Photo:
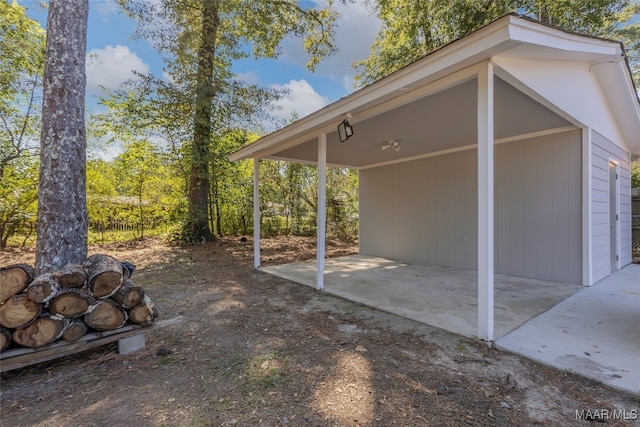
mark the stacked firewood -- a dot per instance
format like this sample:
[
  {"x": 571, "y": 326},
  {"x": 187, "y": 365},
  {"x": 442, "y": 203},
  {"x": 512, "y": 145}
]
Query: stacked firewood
[{"x": 96, "y": 295}]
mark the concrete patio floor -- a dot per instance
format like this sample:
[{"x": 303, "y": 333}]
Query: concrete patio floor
[
  {"x": 593, "y": 331},
  {"x": 438, "y": 296}
]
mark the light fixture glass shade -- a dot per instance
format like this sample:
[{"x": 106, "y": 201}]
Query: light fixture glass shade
[{"x": 345, "y": 131}]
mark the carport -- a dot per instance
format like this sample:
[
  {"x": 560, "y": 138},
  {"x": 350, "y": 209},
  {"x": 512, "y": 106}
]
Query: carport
[{"x": 506, "y": 151}]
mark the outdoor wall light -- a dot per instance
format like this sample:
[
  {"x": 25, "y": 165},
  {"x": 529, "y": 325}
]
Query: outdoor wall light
[
  {"x": 345, "y": 131},
  {"x": 391, "y": 144}
]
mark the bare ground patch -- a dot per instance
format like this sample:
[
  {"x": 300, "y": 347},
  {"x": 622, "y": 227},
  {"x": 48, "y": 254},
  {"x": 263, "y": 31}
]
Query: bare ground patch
[{"x": 256, "y": 350}]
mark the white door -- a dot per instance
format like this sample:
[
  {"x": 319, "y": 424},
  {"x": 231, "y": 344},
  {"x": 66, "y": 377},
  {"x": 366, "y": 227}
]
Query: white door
[{"x": 614, "y": 215}]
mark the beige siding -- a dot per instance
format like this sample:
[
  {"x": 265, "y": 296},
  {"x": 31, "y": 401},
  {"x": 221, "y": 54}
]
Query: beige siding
[
  {"x": 539, "y": 207},
  {"x": 425, "y": 210},
  {"x": 602, "y": 151},
  {"x": 421, "y": 211}
]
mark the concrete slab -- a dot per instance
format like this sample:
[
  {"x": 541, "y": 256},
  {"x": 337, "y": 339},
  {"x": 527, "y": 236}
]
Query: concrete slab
[
  {"x": 595, "y": 332},
  {"x": 131, "y": 344},
  {"x": 438, "y": 296}
]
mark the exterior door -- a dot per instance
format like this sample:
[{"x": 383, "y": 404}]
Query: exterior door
[{"x": 613, "y": 215}]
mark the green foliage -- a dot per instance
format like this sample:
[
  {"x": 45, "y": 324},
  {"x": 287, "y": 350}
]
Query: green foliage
[
  {"x": 289, "y": 199},
  {"x": 199, "y": 41},
  {"x": 413, "y": 29},
  {"x": 21, "y": 66},
  {"x": 18, "y": 200},
  {"x": 635, "y": 174},
  {"x": 342, "y": 203},
  {"x": 134, "y": 196},
  {"x": 626, "y": 28},
  {"x": 21, "y": 49}
]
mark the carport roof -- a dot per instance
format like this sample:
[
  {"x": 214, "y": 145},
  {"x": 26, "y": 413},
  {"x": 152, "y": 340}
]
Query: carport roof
[{"x": 430, "y": 106}]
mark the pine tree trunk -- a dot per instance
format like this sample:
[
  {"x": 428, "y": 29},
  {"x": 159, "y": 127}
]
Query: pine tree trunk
[
  {"x": 200, "y": 153},
  {"x": 62, "y": 209},
  {"x": 14, "y": 279}
]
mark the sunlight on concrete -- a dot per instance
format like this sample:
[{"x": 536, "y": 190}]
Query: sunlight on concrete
[{"x": 346, "y": 397}]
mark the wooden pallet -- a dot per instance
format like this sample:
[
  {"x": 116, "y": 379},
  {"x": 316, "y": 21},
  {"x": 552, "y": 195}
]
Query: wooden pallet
[{"x": 130, "y": 338}]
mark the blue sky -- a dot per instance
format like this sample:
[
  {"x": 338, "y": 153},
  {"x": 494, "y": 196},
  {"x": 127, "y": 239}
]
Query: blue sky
[{"x": 112, "y": 55}]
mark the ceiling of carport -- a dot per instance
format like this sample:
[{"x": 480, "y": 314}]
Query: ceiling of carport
[{"x": 442, "y": 121}]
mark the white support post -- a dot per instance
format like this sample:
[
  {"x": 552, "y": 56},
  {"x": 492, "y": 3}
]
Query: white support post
[
  {"x": 322, "y": 209},
  {"x": 256, "y": 212},
  {"x": 485, "y": 202}
]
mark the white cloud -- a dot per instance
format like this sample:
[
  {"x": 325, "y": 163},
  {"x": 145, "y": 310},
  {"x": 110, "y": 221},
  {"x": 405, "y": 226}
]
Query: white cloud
[
  {"x": 105, "y": 8},
  {"x": 355, "y": 31},
  {"x": 167, "y": 77},
  {"x": 250, "y": 77},
  {"x": 112, "y": 66},
  {"x": 301, "y": 99}
]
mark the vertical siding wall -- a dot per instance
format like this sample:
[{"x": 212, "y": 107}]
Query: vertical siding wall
[
  {"x": 602, "y": 151},
  {"x": 538, "y": 208},
  {"x": 425, "y": 211}
]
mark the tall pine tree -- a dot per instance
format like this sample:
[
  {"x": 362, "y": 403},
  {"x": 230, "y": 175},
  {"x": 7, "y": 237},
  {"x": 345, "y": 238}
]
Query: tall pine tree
[{"x": 62, "y": 208}]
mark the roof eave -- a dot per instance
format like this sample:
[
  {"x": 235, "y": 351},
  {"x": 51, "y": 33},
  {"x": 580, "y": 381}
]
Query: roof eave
[
  {"x": 497, "y": 37},
  {"x": 478, "y": 46}
]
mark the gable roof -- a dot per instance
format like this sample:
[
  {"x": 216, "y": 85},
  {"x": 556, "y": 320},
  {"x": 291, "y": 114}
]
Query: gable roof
[{"x": 514, "y": 43}]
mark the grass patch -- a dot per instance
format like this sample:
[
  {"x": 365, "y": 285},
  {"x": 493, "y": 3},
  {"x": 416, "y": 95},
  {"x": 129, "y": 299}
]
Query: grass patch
[{"x": 268, "y": 371}]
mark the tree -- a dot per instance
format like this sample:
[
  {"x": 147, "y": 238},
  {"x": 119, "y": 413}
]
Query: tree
[
  {"x": 18, "y": 197},
  {"x": 411, "y": 30},
  {"x": 21, "y": 65},
  {"x": 62, "y": 209},
  {"x": 200, "y": 40},
  {"x": 142, "y": 176},
  {"x": 101, "y": 191}
]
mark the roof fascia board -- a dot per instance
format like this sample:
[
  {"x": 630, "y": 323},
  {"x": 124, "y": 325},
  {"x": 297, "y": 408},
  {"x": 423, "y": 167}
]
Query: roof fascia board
[
  {"x": 626, "y": 108},
  {"x": 523, "y": 30},
  {"x": 397, "y": 89}
]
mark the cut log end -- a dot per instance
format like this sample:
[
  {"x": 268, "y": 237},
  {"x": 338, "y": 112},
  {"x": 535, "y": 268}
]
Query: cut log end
[
  {"x": 44, "y": 330},
  {"x": 5, "y": 339},
  {"x": 104, "y": 275},
  {"x": 71, "y": 302},
  {"x": 129, "y": 295},
  {"x": 14, "y": 279},
  {"x": 106, "y": 284},
  {"x": 43, "y": 288},
  {"x": 144, "y": 313},
  {"x": 105, "y": 315},
  {"x": 72, "y": 276},
  {"x": 18, "y": 311},
  {"x": 76, "y": 330}
]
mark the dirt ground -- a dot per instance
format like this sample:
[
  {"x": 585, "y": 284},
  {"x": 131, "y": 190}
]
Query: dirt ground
[{"x": 255, "y": 350}]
